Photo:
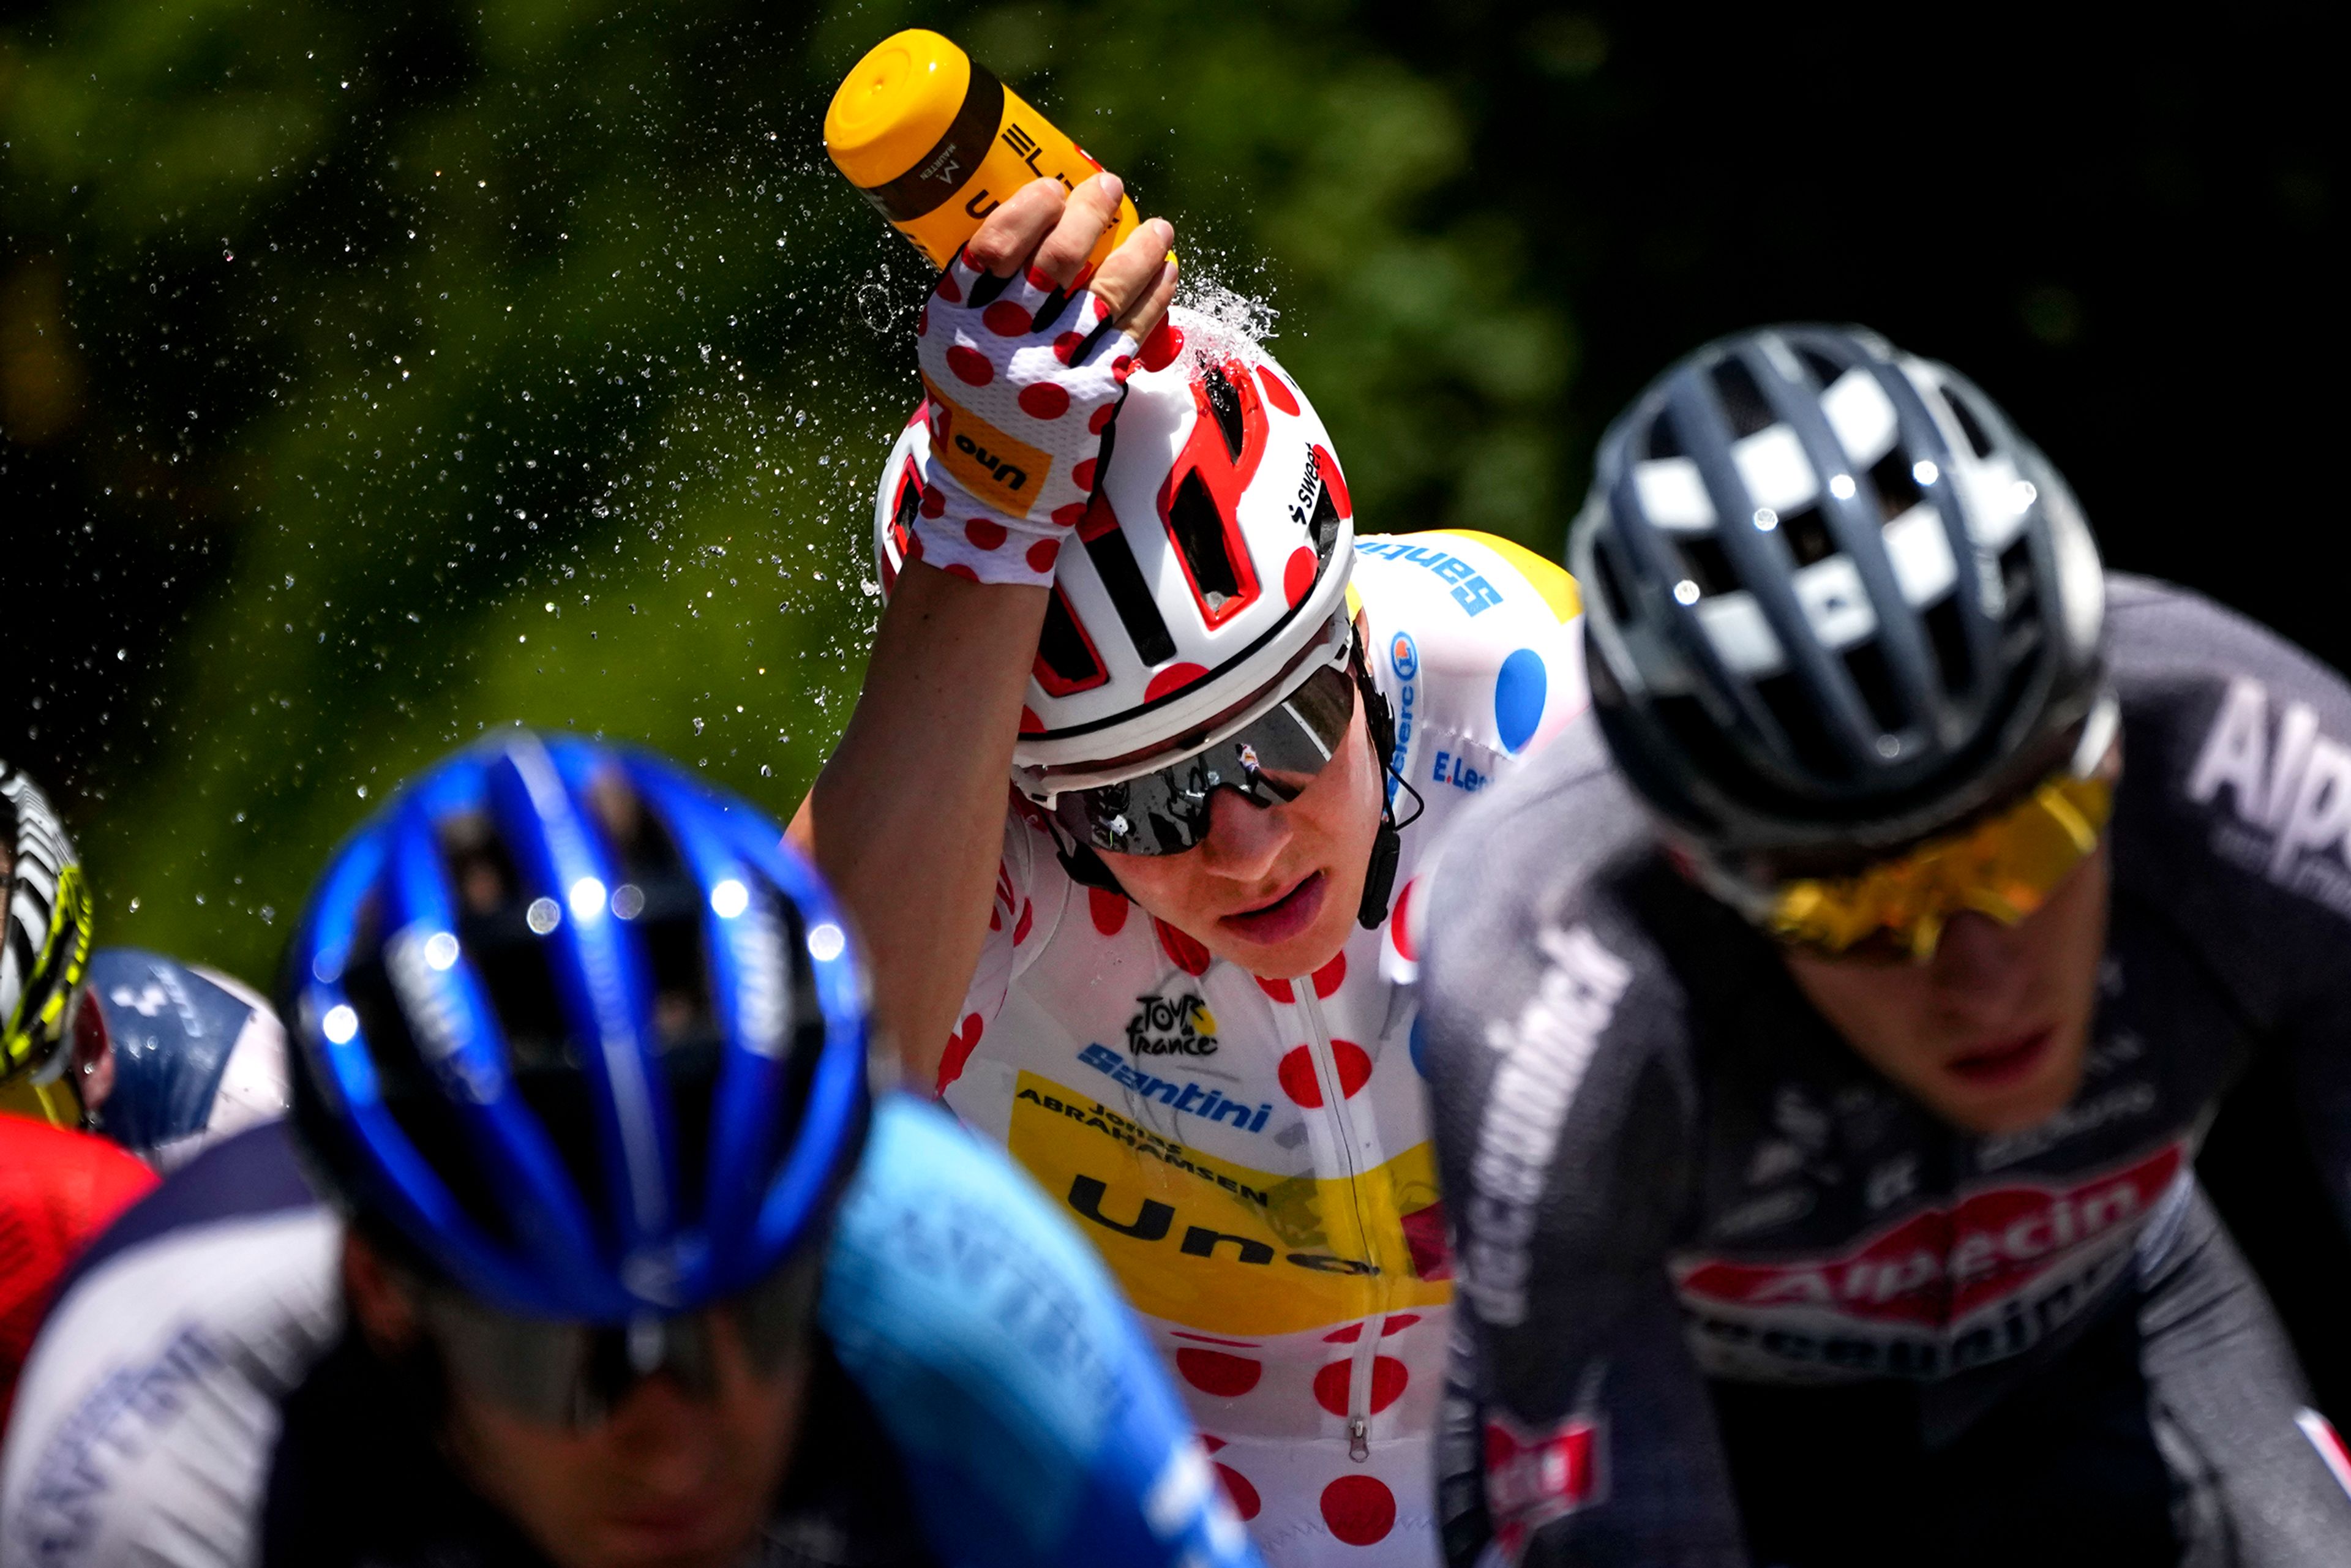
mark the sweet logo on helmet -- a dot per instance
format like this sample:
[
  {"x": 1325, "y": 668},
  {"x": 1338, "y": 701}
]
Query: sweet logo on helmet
[
  {"x": 1944, "y": 1264},
  {"x": 2291, "y": 794},
  {"x": 1405, "y": 656},
  {"x": 993, "y": 465}
]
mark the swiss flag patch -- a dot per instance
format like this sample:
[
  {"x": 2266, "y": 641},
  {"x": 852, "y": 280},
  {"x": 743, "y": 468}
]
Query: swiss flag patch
[{"x": 1534, "y": 1475}]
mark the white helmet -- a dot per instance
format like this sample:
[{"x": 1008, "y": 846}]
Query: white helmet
[{"x": 1218, "y": 545}]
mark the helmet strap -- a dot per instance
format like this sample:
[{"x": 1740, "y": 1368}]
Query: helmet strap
[
  {"x": 1085, "y": 867},
  {"x": 1387, "y": 843}
]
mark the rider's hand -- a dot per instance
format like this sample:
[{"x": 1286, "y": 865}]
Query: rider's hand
[{"x": 1025, "y": 359}]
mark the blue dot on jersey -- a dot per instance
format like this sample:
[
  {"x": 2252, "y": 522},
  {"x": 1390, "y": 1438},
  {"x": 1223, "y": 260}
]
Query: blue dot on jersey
[
  {"x": 1419, "y": 1064},
  {"x": 1519, "y": 693}
]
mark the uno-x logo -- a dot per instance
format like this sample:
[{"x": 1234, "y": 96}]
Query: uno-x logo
[
  {"x": 993, "y": 465},
  {"x": 2290, "y": 795},
  {"x": 1536, "y": 1475},
  {"x": 1171, "y": 1026},
  {"x": 1942, "y": 1266},
  {"x": 1154, "y": 1220}
]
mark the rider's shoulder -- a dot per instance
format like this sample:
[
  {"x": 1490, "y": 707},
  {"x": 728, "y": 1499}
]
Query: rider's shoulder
[
  {"x": 1556, "y": 864},
  {"x": 1459, "y": 584},
  {"x": 982, "y": 1331},
  {"x": 146, "y": 1414},
  {"x": 934, "y": 1220},
  {"x": 2159, "y": 632},
  {"x": 1471, "y": 638}
]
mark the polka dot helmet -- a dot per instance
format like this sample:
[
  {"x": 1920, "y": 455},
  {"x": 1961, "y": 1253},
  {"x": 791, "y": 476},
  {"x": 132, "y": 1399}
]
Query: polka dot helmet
[
  {"x": 45, "y": 940},
  {"x": 1834, "y": 600},
  {"x": 1217, "y": 546}
]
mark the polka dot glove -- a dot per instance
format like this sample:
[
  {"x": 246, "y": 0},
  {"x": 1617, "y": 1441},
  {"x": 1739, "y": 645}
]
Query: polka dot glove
[{"x": 1023, "y": 378}]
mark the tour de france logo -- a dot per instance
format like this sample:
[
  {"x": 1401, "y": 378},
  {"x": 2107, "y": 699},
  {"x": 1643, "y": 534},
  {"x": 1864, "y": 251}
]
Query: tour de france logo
[{"x": 1171, "y": 1026}]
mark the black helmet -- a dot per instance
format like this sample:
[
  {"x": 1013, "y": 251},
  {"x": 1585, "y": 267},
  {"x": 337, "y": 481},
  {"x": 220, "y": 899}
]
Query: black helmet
[{"x": 1834, "y": 600}]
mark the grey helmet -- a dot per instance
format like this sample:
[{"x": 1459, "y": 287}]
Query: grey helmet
[{"x": 1833, "y": 600}]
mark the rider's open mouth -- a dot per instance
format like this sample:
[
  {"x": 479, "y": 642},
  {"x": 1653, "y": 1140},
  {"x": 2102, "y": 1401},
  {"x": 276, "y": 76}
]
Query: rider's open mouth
[
  {"x": 2006, "y": 1062},
  {"x": 1282, "y": 918}
]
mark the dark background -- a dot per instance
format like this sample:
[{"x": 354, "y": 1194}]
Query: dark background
[{"x": 371, "y": 374}]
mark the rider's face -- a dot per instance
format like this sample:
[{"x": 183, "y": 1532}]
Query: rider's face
[
  {"x": 667, "y": 1481},
  {"x": 1275, "y": 889},
  {"x": 1991, "y": 1034}
]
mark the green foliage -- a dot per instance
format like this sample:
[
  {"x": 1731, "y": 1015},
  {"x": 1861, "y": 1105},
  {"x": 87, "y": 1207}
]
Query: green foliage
[{"x": 529, "y": 362}]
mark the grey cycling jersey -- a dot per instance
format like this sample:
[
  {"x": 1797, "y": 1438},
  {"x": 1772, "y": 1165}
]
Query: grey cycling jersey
[{"x": 1640, "y": 1120}]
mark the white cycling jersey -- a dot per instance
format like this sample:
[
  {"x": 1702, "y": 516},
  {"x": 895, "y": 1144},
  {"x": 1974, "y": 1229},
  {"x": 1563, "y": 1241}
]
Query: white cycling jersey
[{"x": 1252, "y": 1155}]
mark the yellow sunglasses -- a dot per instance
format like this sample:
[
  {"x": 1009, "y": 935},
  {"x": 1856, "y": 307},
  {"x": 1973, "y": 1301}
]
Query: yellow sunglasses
[{"x": 2005, "y": 866}]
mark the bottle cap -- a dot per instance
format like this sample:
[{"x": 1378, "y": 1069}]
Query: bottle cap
[{"x": 894, "y": 106}]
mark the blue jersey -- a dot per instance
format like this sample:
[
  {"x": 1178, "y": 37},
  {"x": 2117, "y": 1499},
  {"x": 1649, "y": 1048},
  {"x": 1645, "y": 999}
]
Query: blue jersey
[{"x": 196, "y": 1369}]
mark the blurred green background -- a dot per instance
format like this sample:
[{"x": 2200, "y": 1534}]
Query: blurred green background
[
  {"x": 437, "y": 369},
  {"x": 371, "y": 374}
]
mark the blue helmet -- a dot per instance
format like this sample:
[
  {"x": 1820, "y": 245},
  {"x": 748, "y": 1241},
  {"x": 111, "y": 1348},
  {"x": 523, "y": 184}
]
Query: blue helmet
[
  {"x": 1834, "y": 599},
  {"x": 581, "y": 1032}
]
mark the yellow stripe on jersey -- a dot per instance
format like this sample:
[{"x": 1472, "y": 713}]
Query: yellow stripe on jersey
[
  {"x": 50, "y": 1102},
  {"x": 1225, "y": 1249},
  {"x": 1546, "y": 578}
]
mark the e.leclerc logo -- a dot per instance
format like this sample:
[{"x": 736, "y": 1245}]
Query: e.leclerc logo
[{"x": 1404, "y": 656}]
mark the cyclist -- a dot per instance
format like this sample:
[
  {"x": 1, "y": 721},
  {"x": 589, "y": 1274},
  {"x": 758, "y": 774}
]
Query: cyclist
[
  {"x": 1820, "y": 1051},
  {"x": 58, "y": 1190},
  {"x": 1171, "y": 977},
  {"x": 163, "y": 1058},
  {"x": 624, "y": 1267}
]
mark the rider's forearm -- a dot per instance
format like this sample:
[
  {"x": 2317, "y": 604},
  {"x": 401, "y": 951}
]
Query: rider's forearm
[{"x": 906, "y": 821}]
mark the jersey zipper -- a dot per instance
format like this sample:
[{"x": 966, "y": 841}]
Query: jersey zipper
[{"x": 1342, "y": 1130}]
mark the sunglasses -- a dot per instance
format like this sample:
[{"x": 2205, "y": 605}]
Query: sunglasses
[
  {"x": 1267, "y": 762},
  {"x": 1269, "y": 759},
  {"x": 575, "y": 1374},
  {"x": 2005, "y": 867}
]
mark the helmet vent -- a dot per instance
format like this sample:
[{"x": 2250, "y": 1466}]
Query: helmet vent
[
  {"x": 1621, "y": 608},
  {"x": 1807, "y": 533},
  {"x": 1325, "y": 524},
  {"x": 1950, "y": 639},
  {"x": 902, "y": 514},
  {"x": 1122, "y": 579},
  {"x": 1971, "y": 426},
  {"x": 1825, "y": 370},
  {"x": 1743, "y": 402},
  {"x": 1066, "y": 661},
  {"x": 2016, "y": 579},
  {"x": 1225, "y": 407},
  {"x": 1708, "y": 566},
  {"x": 1808, "y": 737},
  {"x": 1865, "y": 663},
  {"x": 1663, "y": 442},
  {"x": 1200, "y": 535},
  {"x": 1897, "y": 490}
]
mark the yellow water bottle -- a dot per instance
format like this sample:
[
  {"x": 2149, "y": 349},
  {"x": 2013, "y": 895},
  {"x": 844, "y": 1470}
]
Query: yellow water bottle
[{"x": 936, "y": 141}]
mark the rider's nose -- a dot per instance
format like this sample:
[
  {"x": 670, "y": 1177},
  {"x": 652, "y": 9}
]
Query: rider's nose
[
  {"x": 1244, "y": 839},
  {"x": 1979, "y": 967}
]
